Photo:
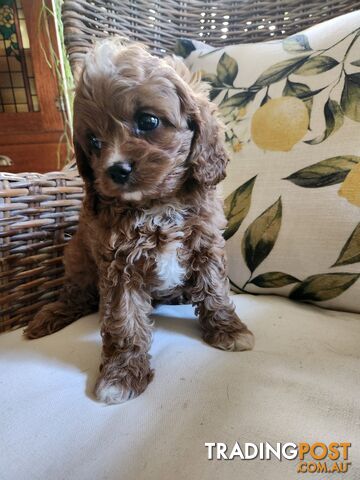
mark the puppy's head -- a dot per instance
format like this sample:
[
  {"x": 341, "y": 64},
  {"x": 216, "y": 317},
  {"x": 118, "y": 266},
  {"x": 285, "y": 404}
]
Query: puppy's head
[{"x": 141, "y": 131}]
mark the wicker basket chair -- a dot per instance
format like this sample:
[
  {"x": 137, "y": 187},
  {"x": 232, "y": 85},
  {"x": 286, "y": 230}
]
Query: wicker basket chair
[{"x": 39, "y": 212}]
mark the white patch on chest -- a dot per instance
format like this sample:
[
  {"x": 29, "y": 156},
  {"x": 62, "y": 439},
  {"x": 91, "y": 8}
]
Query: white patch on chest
[
  {"x": 169, "y": 220},
  {"x": 168, "y": 269}
]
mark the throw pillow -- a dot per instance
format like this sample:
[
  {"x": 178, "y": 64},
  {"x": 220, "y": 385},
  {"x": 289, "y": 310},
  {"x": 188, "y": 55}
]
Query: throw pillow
[{"x": 291, "y": 109}]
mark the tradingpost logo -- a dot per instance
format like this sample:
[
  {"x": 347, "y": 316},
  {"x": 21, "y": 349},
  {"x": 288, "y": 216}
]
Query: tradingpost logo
[{"x": 318, "y": 457}]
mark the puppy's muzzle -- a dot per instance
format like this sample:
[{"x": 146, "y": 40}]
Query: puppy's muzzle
[{"x": 120, "y": 172}]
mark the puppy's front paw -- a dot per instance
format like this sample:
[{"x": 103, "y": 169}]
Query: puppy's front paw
[
  {"x": 237, "y": 341},
  {"x": 232, "y": 336},
  {"x": 112, "y": 393},
  {"x": 119, "y": 383},
  {"x": 244, "y": 341}
]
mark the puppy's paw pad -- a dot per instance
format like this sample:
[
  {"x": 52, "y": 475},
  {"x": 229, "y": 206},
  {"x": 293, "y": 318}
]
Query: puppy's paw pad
[
  {"x": 112, "y": 394},
  {"x": 244, "y": 341}
]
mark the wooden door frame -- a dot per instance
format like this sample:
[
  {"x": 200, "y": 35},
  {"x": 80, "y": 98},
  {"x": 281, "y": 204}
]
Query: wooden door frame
[
  {"x": 34, "y": 140},
  {"x": 49, "y": 118}
]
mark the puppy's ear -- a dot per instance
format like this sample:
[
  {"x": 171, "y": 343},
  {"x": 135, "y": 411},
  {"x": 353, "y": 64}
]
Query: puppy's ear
[
  {"x": 83, "y": 164},
  {"x": 86, "y": 172},
  {"x": 77, "y": 63},
  {"x": 208, "y": 156}
]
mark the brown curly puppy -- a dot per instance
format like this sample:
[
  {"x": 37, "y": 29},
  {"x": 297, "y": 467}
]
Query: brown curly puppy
[{"x": 149, "y": 148}]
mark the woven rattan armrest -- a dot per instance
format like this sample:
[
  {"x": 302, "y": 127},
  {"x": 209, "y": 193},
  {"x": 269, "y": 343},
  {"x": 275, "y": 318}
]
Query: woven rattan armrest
[{"x": 38, "y": 215}]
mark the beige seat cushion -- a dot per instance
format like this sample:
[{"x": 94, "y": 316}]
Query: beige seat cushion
[{"x": 301, "y": 383}]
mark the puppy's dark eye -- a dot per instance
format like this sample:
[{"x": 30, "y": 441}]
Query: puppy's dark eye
[
  {"x": 95, "y": 143},
  {"x": 147, "y": 122}
]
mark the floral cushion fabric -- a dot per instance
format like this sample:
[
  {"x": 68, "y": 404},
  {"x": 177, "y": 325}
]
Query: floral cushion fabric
[{"x": 291, "y": 109}]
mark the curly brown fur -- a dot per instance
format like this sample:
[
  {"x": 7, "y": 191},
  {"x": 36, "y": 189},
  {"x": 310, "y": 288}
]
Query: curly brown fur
[{"x": 156, "y": 235}]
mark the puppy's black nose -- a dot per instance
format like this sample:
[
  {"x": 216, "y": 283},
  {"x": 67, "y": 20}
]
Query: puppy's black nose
[{"x": 119, "y": 172}]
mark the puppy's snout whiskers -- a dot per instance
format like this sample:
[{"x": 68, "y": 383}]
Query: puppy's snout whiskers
[{"x": 120, "y": 172}]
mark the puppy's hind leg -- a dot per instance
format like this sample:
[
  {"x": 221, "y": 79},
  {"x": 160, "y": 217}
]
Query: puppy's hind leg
[{"x": 78, "y": 297}]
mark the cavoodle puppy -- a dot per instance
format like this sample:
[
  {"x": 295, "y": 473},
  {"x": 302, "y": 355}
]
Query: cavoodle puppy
[{"x": 149, "y": 147}]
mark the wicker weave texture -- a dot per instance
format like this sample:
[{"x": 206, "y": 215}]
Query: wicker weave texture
[
  {"x": 38, "y": 214},
  {"x": 219, "y": 22}
]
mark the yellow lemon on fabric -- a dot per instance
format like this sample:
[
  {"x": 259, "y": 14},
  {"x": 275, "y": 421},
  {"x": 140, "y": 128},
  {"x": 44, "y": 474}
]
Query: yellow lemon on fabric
[
  {"x": 279, "y": 124},
  {"x": 350, "y": 189}
]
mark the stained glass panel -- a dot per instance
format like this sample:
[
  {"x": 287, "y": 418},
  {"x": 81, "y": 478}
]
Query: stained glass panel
[{"x": 17, "y": 82}]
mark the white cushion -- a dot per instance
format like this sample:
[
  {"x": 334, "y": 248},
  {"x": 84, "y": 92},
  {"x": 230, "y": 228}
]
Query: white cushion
[{"x": 301, "y": 383}]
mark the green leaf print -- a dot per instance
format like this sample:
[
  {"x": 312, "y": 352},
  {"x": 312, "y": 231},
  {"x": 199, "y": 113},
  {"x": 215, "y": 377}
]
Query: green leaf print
[
  {"x": 350, "y": 98},
  {"x": 316, "y": 65},
  {"x": 327, "y": 286},
  {"x": 280, "y": 70},
  {"x": 239, "y": 100},
  {"x": 274, "y": 280},
  {"x": 227, "y": 69},
  {"x": 334, "y": 119},
  {"x": 351, "y": 250},
  {"x": 261, "y": 235},
  {"x": 327, "y": 172},
  {"x": 236, "y": 207},
  {"x": 184, "y": 47}
]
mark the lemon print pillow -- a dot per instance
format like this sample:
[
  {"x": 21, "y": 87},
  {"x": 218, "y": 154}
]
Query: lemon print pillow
[{"x": 291, "y": 110}]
